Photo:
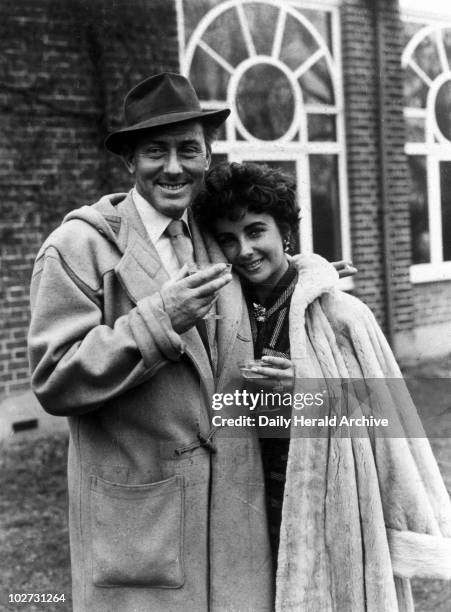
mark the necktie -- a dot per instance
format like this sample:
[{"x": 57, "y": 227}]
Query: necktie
[
  {"x": 181, "y": 243},
  {"x": 183, "y": 249}
]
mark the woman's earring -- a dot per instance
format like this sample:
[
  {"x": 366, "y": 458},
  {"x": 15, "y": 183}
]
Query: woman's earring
[{"x": 286, "y": 245}]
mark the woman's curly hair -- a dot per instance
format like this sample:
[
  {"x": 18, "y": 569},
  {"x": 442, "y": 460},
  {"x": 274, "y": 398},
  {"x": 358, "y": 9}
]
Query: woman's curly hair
[{"x": 233, "y": 189}]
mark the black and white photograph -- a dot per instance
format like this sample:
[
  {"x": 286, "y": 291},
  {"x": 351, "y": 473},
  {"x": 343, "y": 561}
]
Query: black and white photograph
[{"x": 225, "y": 306}]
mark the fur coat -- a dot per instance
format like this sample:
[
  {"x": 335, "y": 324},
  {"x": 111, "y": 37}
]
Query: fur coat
[{"x": 361, "y": 514}]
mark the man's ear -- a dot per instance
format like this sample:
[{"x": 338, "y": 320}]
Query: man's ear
[
  {"x": 128, "y": 157},
  {"x": 207, "y": 159}
]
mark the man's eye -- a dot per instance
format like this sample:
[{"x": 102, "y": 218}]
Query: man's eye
[
  {"x": 190, "y": 151},
  {"x": 154, "y": 151}
]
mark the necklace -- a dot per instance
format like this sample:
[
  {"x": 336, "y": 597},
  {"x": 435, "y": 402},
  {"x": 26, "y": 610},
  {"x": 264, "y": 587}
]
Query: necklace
[{"x": 259, "y": 312}]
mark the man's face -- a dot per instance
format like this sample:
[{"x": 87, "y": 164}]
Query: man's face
[{"x": 169, "y": 165}]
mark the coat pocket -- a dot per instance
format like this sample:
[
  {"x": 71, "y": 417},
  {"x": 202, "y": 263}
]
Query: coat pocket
[{"x": 137, "y": 533}]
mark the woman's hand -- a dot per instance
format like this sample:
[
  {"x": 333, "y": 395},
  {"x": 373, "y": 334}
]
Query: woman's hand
[
  {"x": 278, "y": 376},
  {"x": 344, "y": 268}
]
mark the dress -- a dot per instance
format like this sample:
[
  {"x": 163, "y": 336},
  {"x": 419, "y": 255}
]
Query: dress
[{"x": 270, "y": 335}]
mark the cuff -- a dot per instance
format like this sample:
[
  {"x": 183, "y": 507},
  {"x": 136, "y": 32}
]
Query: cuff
[{"x": 151, "y": 317}]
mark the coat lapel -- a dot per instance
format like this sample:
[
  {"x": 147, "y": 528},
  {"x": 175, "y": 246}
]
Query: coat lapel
[
  {"x": 140, "y": 270},
  {"x": 141, "y": 273},
  {"x": 201, "y": 256}
]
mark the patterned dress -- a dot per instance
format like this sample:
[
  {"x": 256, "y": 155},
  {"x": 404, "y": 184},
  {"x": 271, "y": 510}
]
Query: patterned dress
[{"x": 269, "y": 324}]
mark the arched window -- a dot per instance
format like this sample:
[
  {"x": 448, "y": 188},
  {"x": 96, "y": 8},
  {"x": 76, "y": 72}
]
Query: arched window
[
  {"x": 276, "y": 64},
  {"x": 427, "y": 88}
]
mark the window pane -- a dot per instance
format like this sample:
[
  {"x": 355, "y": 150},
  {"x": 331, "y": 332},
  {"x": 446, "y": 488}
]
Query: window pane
[
  {"x": 262, "y": 19},
  {"x": 209, "y": 79},
  {"x": 316, "y": 84},
  {"x": 443, "y": 109},
  {"x": 426, "y": 56},
  {"x": 265, "y": 102},
  {"x": 298, "y": 44},
  {"x": 415, "y": 89},
  {"x": 419, "y": 223},
  {"x": 225, "y": 36},
  {"x": 321, "y": 20},
  {"x": 325, "y": 206},
  {"x": 321, "y": 128},
  {"x": 445, "y": 189},
  {"x": 193, "y": 11},
  {"x": 446, "y": 34},
  {"x": 415, "y": 129}
]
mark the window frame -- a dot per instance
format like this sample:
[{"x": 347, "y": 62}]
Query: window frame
[{"x": 431, "y": 21}]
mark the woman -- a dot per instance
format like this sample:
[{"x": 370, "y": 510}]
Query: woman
[{"x": 356, "y": 516}]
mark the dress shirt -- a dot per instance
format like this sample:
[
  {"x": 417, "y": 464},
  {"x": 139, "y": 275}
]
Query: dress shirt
[{"x": 156, "y": 224}]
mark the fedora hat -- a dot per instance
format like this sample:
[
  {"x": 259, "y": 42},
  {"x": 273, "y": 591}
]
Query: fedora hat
[{"x": 162, "y": 99}]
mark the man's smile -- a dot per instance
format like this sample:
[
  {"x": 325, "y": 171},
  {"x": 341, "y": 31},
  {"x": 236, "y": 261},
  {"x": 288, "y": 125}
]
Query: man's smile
[{"x": 172, "y": 186}]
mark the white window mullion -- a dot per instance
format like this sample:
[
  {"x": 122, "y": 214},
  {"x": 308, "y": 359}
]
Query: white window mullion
[
  {"x": 435, "y": 218},
  {"x": 305, "y": 203}
]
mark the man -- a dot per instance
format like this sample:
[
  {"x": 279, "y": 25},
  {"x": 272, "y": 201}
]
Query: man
[{"x": 163, "y": 513}]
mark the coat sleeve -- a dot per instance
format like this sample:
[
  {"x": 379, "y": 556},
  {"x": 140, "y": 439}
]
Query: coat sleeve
[{"x": 77, "y": 362}]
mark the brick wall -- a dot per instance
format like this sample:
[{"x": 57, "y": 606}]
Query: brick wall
[
  {"x": 432, "y": 303},
  {"x": 398, "y": 177},
  {"x": 65, "y": 66},
  {"x": 361, "y": 111},
  {"x": 363, "y": 114}
]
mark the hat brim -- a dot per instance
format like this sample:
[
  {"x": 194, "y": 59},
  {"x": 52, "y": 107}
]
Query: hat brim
[{"x": 116, "y": 140}]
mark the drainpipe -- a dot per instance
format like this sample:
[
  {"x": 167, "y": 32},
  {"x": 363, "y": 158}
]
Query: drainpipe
[{"x": 383, "y": 176}]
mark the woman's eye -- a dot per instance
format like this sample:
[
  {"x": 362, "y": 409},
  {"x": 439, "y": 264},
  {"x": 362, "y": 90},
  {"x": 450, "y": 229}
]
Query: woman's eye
[
  {"x": 255, "y": 233},
  {"x": 225, "y": 241}
]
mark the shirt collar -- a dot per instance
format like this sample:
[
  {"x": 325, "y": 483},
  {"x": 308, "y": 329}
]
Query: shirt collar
[{"x": 154, "y": 221}]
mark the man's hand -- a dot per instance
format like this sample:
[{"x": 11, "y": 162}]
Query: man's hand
[
  {"x": 344, "y": 268},
  {"x": 187, "y": 299}
]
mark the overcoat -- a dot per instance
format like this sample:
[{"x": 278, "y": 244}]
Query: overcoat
[{"x": 164, "y": 514}]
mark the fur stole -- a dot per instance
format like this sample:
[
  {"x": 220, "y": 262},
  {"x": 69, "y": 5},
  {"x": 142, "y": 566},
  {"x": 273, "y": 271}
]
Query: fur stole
[{"x": 361, "y": 515}]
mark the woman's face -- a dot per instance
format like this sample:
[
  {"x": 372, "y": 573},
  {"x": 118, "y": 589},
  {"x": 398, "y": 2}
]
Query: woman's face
[{"x": 254, "y": 246}]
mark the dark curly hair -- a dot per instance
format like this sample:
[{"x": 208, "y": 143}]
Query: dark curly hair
[{"x": 233, "y": 189}]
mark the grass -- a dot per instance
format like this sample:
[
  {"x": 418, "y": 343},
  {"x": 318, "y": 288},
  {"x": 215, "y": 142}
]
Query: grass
[
  {"x": 33, "y": 505},
  {"x": 33, "y": 515}
]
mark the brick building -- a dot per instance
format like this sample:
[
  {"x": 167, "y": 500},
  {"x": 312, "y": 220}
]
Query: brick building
[{"x": 349, "y": 95}]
